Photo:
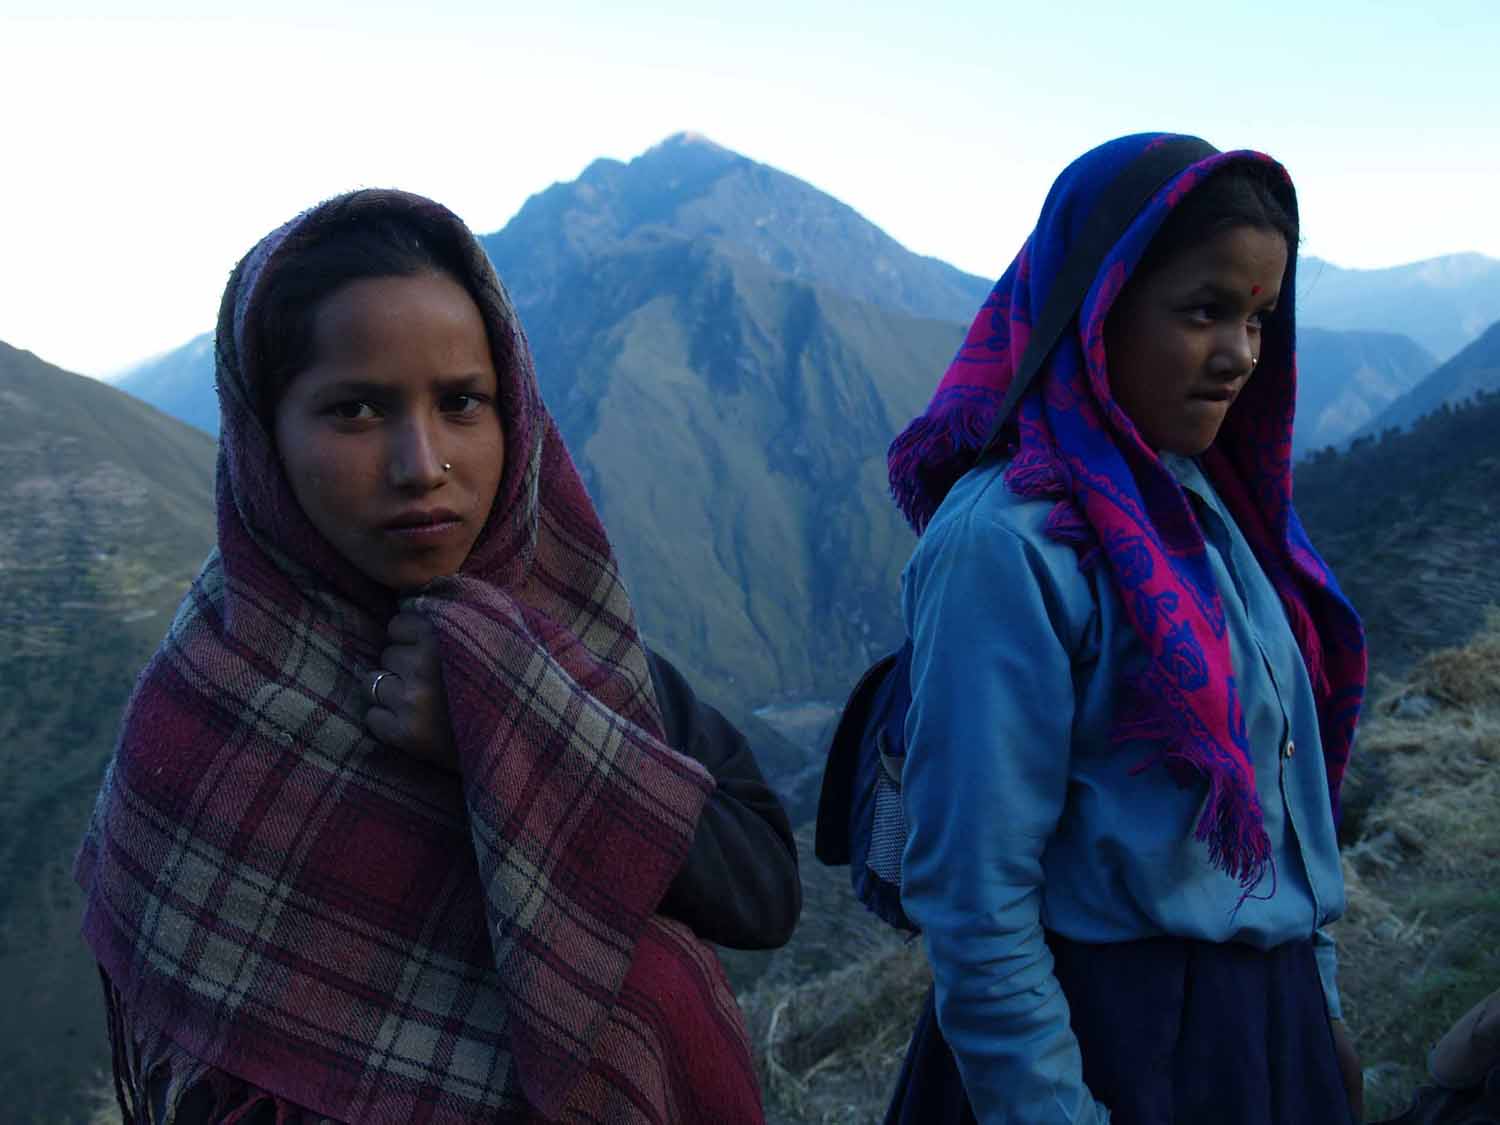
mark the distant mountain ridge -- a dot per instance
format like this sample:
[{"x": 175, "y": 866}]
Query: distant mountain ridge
[
  {"x": 1441, "y": 303},
  {"x": 688, "y": 187},
  {"x": 1472, "y": 371},
  {"x": 1345, "y": 379},
  {"x": 179, "y": 383}
]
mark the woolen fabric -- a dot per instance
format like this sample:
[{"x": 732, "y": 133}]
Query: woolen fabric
[
  {"x": 348, "y": 930},
  {"x": 1119, "y": 507}
]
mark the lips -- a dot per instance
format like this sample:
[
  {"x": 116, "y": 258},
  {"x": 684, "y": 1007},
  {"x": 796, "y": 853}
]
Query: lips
[
  {"x": 424, "y": 524},
  {"x": 1216, "y": 394},
  {"x": 421, "y": 517}
]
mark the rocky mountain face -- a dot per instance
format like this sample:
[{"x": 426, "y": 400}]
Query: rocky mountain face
[
  {"x": 728, "y": 352},
  {"x": 1473, "y": 371},
  {"x": 687, "y": 187},
  {"x": 1441, "y": 303},
  {"x": 107, "y": 514}
]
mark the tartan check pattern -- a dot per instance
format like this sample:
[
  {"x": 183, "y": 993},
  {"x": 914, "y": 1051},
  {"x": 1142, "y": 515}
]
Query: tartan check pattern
[{"x": 275, "y": 897}]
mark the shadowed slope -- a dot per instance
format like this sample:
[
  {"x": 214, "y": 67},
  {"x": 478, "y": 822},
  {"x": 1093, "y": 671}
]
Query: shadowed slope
[
  {"x": 107, "y": 515},
  {"x": 1410, "y": 524},
  {"x": 1474, "y": 370}
]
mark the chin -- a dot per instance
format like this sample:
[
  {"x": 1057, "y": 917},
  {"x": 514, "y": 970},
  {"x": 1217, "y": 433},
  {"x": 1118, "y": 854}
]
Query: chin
[{"x": 1188, "y": 443}]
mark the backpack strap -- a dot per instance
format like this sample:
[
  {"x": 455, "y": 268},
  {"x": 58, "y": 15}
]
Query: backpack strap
[{"x": 1130, "y": 190}]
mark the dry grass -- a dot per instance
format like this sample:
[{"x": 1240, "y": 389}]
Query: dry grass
[
  {"x": 828, "y": 1050},
  {"x": 1418, "y": 944}
]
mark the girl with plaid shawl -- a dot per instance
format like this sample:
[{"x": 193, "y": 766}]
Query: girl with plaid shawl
[
  {"x": 394, "y": 810},
  {"x": 1134, "y": 681}
]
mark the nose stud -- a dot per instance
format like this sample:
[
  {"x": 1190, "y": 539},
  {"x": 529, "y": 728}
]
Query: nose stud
[
  {"x": 447, "y": 467},
  {"x": 1253, "y": 361}
]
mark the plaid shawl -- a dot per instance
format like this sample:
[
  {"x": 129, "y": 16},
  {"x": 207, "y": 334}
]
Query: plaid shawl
[
  {"x": 1119, "y": 506},
  {"x": 347, "y": 929}
]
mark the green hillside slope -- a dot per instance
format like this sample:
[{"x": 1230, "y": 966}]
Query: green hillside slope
[
  {"x": 107, "y": 514},
  {"x": 732, "y": 424},
  {"x": 1410, "y": 523}
]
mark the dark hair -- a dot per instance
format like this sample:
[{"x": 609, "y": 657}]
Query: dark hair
[
  {"x": 340, "y": 249},
  {"x": 1244, "y": 193}
]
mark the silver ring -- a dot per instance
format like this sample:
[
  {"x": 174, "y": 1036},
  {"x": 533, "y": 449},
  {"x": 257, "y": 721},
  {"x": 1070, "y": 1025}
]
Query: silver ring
[{"x": 375, "y": 687}]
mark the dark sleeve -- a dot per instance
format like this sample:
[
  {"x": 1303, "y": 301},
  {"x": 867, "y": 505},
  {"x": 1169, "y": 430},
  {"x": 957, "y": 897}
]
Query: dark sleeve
[{"x": 740, "y": 886}]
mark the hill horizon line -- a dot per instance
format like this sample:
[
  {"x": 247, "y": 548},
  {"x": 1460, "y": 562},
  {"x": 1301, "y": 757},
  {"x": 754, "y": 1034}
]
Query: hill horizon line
[{"x": 690, "y": 138}]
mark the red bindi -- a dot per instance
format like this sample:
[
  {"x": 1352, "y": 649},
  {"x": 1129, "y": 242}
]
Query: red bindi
[{"x": 1255, "y": 290}]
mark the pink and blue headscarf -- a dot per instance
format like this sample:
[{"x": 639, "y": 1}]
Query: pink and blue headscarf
[{"x": 1120, "y": 507}]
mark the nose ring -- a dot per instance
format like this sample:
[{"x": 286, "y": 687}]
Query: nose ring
[{"x": 447, "y": 467}]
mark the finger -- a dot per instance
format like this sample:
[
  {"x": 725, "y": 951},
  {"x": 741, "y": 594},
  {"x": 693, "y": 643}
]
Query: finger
[
  {"x": 409, "y": 628},
  {"x": 404, "y": 660},
  {"x": 390, "y": 690},
  {"x": 387, "y": 730}
]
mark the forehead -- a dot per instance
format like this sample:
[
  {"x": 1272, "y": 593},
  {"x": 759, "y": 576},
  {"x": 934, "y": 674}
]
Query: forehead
[
  {"x": 381, "y": 311},
  {"x": 1239, "y": 255}
]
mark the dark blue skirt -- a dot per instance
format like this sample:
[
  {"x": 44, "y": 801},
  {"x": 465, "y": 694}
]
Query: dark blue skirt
[{"x": 1172, "y": 1032}]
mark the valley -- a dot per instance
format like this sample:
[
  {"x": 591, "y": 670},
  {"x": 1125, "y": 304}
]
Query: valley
[{"x": 728, "y": 352}]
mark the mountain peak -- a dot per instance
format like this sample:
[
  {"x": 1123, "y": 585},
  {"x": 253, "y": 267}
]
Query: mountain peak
[
  {"x": 688, "y": 137},
  {"x": 689, "y": 187}
]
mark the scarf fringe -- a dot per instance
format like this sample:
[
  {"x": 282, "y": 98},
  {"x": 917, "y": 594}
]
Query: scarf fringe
[
  {"x": 1230, "y": 825},
  {"x": 936, "y": 449},
  {"x": 1037, "y": 474},
  {"x": 135, "y": 1069}
]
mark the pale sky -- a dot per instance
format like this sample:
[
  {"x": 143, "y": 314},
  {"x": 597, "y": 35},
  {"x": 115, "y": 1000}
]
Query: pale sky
[{"x": 143, "y": 154}]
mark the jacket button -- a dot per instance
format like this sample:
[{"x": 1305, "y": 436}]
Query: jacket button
[{"x": 1291, "y": 748}]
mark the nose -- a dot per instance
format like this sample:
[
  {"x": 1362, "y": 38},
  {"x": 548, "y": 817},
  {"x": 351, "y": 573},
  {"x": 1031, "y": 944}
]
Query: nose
[
  {"x": 1238, "y": 349},
  {"x": 416, "y": 462}
]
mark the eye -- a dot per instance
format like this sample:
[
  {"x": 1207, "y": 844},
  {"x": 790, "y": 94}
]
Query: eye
[
  {"x": 463, "y": 404},
  {"x": 1205, "y": 313},
  {"x": 354, "y": 410}
]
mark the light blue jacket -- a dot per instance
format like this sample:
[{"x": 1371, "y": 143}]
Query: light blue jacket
[{"x": 1024, "y": 816}]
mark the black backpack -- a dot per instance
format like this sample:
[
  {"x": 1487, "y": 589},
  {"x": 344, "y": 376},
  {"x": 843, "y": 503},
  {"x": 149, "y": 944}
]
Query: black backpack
[{"x": 861, "y": 822}]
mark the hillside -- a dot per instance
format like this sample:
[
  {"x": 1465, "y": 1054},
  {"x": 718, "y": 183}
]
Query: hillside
[
  {"x": 1344, "y": 379},
  {"x": 179, "y": 383},
  {"x": 831, "y": 1013},
  {"x": 1474, "y": 370},
  {"x": 1410, "y": 523},
  {"x": 731, "y": 424},
  {"x": 1441, "y": 303},
  {"x": 107, "y": 515}
]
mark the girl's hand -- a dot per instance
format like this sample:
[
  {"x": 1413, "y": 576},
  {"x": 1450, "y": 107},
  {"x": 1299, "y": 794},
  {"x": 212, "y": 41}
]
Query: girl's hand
[
  {"x": 410, "y": 711},
  {"x": 1349, "y": 1067}
]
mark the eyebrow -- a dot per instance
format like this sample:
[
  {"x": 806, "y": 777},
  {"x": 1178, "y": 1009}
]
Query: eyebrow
[
  {"x": 1230, "y": 294},
  {"x": 366, "y": 388}
]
